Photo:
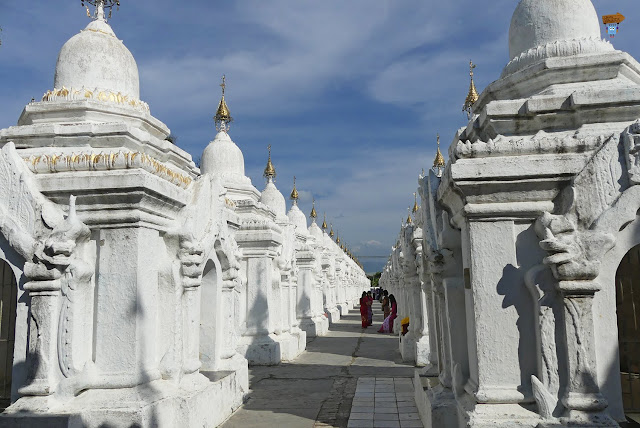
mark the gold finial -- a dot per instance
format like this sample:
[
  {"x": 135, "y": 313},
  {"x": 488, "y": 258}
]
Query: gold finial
[
  {"x": 269, "y": 171},
  {"x": 337, "y": 239},
  {"x": 313, "y": 214},
  {"x": 100, "y": 6},
  {"x": 331, "y": 232},
  {"x": 324, "y": 222},
  {"x": 223, "y": 116},
  {"x": 415, "y": 204},
  {"x": 472, "y": 96},
  {"x": 439, "y": 160},
  {"x": 294, "y": 192},
  {"x": 409, "y": 219}
]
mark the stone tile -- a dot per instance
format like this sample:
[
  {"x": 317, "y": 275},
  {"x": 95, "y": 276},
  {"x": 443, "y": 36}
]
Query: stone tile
[
  {"x": 362, "y": 409},
  {"x": 407, "y": 410},
  {"x": 360, "y": 416},
  {"x": 386, "y": 424},
  {"x": 385, "y": 394},
  {"x": 364, "y": 395},
  {"x": 411, "y": 424},
  {"x": 407, "y": 403},
  {"x": 359, "y": 423},
  {"x": 385, "y": 410},
  {"x": 409, "y": 416},
  {"x": 385, "y": 417},
  {"x": 386, "y": 405}
]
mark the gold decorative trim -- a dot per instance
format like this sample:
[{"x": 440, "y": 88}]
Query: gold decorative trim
[
  {"x": 71, "y": 94},
  {"x": 53, "y": 163}
]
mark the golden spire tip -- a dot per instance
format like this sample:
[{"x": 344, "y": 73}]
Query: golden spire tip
[
  {"x": 472, "y": 96},
  {"x": 223, "y": 116},
  {"x": 269, "y": 171},
  {"x": 314, "y": 214},
  {"x": 439, "y": 161},
  {"x": 294, "y": 192}
]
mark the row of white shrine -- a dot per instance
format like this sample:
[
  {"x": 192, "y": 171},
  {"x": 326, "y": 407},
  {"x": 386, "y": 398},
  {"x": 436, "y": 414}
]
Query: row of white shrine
[
  {"x": 509, "y": 272},
  {"x": 146, "y": 286}
]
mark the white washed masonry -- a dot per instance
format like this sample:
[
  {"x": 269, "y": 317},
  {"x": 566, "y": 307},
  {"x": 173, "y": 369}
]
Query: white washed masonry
[
  {"x": 144, "y": 286},
  {"x": 513, "y": 270}
]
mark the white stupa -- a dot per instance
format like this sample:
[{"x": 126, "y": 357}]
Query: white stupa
[
  {"x": 549, "y": 28},
  {"x": 297, "y": 217},
  {"x": 271, "y": 196},
  {"x": 224, "y": 159},
  {"x": 95, "y": 58},
  {"x": 314, "y": 229},
  {"x": 95, "y": 65}
]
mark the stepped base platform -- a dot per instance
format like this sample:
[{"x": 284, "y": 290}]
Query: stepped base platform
[{"x": 200, "y": 399}]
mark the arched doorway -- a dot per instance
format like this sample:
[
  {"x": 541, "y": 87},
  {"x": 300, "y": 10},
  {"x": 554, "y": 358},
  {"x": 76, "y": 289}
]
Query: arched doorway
[
  {"x": 8, "y": 301},
  {"x": 628, "y": 312}
]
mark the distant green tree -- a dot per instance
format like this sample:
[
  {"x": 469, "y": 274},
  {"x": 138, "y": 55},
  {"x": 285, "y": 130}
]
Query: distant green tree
[{"x": 375, "y": 279}]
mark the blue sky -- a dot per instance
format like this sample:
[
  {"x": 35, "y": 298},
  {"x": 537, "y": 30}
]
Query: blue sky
[{"x": 350, "y": 94}]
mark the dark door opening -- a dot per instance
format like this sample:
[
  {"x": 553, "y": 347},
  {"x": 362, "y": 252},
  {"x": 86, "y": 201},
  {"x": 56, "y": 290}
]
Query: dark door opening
[
  {"x": 8, "y": 301},
  {"x": 628, "y": 312}
]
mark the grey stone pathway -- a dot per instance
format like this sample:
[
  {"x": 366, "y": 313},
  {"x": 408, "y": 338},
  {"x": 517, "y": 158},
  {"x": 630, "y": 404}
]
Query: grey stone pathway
[
  {"x": 320, "y": 386},
  {"x": 384, "y": 402}
]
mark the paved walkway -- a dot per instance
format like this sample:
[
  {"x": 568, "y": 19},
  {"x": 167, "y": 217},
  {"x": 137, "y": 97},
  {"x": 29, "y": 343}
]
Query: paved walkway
[
  {"x": 395, "y": 405},
  {"x": 318, "y": 388}
]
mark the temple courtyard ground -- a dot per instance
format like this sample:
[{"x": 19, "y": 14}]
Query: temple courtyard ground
[{"x": 349, "y": 378}]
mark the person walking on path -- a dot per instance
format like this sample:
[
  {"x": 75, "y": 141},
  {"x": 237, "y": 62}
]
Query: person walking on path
[
  {"x": 364, "y": 313},
  {"x": 386, "y": 309},
  {"x": 370, "y": 308},
  {"x": 387, "y": 325}
]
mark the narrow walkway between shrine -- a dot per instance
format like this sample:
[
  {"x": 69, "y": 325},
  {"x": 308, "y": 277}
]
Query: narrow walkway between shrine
[{"x": 318, "y": 388}]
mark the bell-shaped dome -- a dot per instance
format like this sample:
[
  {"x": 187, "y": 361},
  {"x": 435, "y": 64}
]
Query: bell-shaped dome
[
  {"x": 540, "y": 22},
  {"x": 316, "y": 232},
  {"x": 298, "y": 219},
  {"x": 96, "y": 59},
  {"x": 272, "y": 198},
  {"x": 222, "y": 156}
]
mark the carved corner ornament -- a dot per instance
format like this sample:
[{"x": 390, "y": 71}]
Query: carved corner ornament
[
  {"x": 191, "y": 259},
  {"x": 574, "y": 255}
]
